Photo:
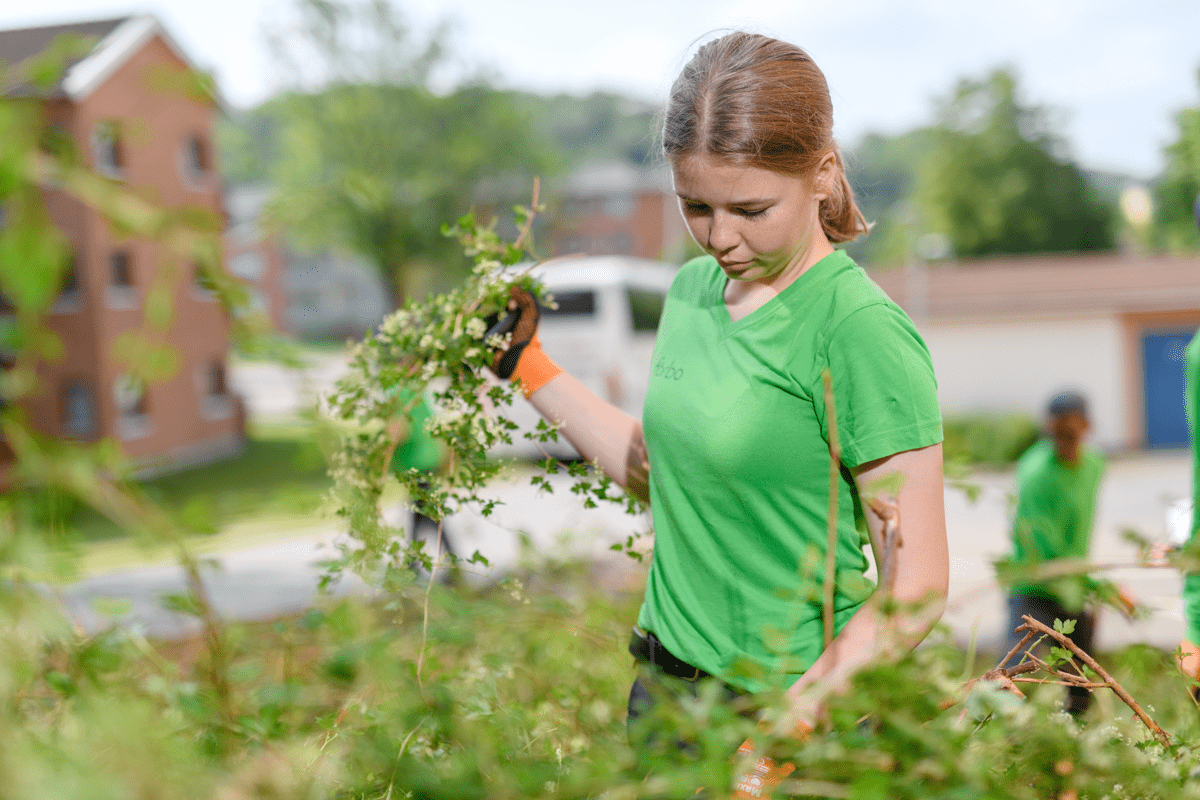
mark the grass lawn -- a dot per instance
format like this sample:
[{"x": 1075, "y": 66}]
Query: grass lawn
[{"x": 276, "y": 486}]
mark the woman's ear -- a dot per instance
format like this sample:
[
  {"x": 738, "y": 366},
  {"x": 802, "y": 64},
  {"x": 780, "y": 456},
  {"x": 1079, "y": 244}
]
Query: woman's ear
[{"x": 825, "y": 176}]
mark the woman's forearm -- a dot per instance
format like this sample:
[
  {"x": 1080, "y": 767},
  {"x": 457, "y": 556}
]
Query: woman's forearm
[
  {"x": 921, "y": 576},
  {"x": 868, "y": 636},
  {"x": 601, "y": 432}
]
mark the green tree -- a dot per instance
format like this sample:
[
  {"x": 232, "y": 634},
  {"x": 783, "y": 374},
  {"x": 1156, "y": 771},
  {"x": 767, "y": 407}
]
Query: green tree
[
  {"x": 374, "y": 159},
  {"x": 999, "y": 179},
  {"x": 883, "y": 170},
  {"x": 1175, "y": 224}
]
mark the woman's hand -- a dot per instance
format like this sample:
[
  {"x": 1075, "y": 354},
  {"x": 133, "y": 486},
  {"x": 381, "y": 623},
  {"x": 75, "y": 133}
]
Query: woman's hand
[
  {"x": 921, "y": 570},
  {"x": 601, "y": 432},
  {"x": 522, "y": 320}
]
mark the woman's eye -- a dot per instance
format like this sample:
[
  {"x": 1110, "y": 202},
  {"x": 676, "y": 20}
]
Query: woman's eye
[
  {"x": 751, "y": 212},
  {"x": 695, "y": 208}
]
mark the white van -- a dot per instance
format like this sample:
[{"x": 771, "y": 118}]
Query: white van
[{"x": 602, "y": 333}]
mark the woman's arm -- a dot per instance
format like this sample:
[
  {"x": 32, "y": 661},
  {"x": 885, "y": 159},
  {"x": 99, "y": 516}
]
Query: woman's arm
[
  {"x": 922, "y": 575},
  {"x": 600, "y": 431}
]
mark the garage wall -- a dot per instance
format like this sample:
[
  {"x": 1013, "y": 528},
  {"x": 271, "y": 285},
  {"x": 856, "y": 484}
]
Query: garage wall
[{"x": 1017, "y": 365}]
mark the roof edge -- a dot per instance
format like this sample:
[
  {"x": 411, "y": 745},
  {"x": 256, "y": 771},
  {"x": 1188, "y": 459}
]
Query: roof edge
[{"x": 88, "y": 74}]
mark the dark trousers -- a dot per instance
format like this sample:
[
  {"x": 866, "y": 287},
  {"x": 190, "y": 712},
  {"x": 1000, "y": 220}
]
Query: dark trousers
[
  {"x": 1045, "y": 610},
  {"x": 427, "y": 529},
  {"x": 655, "y": 691}
]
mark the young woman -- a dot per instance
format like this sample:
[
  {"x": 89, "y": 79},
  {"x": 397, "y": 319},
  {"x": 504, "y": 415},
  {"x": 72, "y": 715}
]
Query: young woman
[{"x": 732, "y": 451}]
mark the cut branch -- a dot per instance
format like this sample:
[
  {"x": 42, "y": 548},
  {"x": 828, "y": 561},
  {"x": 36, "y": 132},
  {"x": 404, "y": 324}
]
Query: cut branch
[{"x": 1032, "y": 625}]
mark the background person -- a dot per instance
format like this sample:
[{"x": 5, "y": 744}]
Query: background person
[
  {"x": 732, "y": 451},
  {"x": 1058, "y": 479},
  {"x": 417, "y": 450}
]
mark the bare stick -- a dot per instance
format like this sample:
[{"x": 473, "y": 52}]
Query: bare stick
[
  {"x": 1032, "y": 624},
  {"x": 1016, "y": 649},
  {"x": 425, "y": 608},
  {"x": 890, "y": 514},
  {"x": 835, "y": 460},
  {"x": 520, "y": 242}
]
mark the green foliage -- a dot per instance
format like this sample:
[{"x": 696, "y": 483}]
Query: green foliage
[
  {"x": 1175, "y": 224},
  {"x": 991, "y": 439},
  {"x": 281, "y": 471},
  {"x": 999, "y": 180},
  {"x": 437, "y": 349},
  {"x": 883, "y": 171},
  {"x": 598, "y": 127},
  {"x": 369, "y": 157}
]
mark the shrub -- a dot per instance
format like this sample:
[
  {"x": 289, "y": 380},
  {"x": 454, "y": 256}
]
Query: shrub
[{"x": 989, "y": 439}]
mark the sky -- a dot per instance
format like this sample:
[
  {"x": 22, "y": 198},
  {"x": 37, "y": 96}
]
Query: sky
[{"x": 1116, "y": 71}]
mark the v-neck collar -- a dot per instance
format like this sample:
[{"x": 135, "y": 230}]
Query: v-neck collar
[{"x": 768, "y": 309}]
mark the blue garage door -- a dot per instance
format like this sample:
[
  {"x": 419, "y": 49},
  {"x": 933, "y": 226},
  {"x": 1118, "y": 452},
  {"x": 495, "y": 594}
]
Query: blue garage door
[{"x": 1166, "y": 421}]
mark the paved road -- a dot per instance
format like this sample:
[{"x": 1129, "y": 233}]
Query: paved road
[
  {"x": 268, "y": 580},
  {"x": 1135, "y": 495}
]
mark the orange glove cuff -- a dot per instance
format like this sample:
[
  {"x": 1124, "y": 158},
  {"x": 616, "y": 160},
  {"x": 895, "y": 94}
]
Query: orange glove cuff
[{"x": 534, "y": 369}]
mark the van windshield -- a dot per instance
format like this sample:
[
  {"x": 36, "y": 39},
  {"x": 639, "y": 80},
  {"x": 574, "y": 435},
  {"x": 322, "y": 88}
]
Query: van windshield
[
  {"x": 645, "y": 307},
  {"x": 572, "y": 304}
]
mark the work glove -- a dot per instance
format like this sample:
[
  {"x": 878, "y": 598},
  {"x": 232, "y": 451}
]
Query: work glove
[
  {"x": 523, "y": 360},
  {"x": 766, "y": 774}
]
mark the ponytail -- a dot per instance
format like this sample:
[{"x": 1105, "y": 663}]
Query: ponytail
[{"x": 841, "y": 218}]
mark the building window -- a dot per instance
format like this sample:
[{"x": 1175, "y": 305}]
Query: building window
[
  {"x": 79, "y": 414},
  {"x": 619, "y": 206},
  {"x": 645, "y": 309},
  {"x": 133, "y": 411},
  {"x": 122, "y": 288},
  {"x": 70, "y": 297},
  {"x": 216, "y": 378},
  {"x": 215, "y": 400},
  {"x": 121, "y": 267},
  {"x": 196, "y": 158},
  {"x": 108, "y": 151}
]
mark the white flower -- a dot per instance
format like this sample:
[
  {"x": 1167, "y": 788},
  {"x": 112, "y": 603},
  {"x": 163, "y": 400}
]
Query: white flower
[{"x": 476, "y": 328}]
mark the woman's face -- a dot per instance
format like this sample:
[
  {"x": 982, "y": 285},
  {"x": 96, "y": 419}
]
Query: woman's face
[{"x": 758, "y": 224}]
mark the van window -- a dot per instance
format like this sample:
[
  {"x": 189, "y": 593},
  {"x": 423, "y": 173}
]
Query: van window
[
  {"x": 645, "y": 306},
  {"x": 572, "y": 304}
]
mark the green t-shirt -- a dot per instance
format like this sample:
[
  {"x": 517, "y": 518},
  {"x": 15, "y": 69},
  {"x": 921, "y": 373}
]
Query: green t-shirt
[
  {"x": 418, "y": 450},
  {"x": 736, "y": 431},
  {"x": 1056, "y": 504},
  {"x": 1191, "y": 395}
]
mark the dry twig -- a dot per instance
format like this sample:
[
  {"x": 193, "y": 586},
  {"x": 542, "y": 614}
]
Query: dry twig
[{"x": 1032, "y": 625}]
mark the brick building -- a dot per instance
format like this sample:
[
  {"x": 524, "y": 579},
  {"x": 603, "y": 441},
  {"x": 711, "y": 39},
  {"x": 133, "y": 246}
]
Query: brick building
[
  {"x": 115, "y": 103},
  {"x": 614, "y": 208}
]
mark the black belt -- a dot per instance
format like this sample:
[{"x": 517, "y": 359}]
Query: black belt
[{"x": 646, "y": 648}]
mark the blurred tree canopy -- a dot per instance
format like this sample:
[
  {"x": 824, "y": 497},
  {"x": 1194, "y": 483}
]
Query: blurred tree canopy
[
  {"x": 1175, "y": 223},
  {"x": 365, "y": 154},
  {"x": 883, "y": 171},
  {"x": 998, "y": 178}
]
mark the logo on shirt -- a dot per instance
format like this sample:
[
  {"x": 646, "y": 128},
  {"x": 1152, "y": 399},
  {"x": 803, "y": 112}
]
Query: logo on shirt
[{"x": 663, "y": 369}]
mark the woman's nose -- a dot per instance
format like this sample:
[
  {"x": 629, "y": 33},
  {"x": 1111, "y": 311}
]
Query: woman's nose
[{"x": 722, "y": 233}]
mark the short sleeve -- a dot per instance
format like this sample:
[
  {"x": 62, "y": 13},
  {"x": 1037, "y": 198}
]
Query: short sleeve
[{"x": 884, "y": 388}]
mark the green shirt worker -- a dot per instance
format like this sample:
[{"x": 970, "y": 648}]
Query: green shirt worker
[
  {"x": 417, "y": 450},
  {"x": 1057, "y": 482},
  {"x": 732, "y": 450},
  {"x": 1190, "y": 646}
]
